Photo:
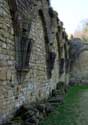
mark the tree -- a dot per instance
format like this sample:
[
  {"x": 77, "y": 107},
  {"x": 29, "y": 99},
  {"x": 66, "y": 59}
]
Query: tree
[{"x": 82, "y": 31}]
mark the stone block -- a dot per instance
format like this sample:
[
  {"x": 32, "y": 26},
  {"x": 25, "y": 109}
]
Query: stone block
[
  {"x": 3, "y": 74},
  {"x": 8, "y": 75},
  {"x": 4, "y": 45}
]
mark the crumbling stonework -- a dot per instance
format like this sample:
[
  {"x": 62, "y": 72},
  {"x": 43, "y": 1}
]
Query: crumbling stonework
[
  {"x": 33, "y": 44},
  {"x": 79, "y": 61}
]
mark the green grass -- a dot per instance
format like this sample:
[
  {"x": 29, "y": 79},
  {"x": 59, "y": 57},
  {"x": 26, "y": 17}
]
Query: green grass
[{"x": 67, "y": 113}]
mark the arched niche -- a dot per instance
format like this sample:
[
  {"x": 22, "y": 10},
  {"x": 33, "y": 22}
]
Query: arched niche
[
  {"x": 21, "y": 26},
  {"x": 50, "y": 55},
  {"x": 23, "y": 44},
  {"x": 61, "y": 51}
]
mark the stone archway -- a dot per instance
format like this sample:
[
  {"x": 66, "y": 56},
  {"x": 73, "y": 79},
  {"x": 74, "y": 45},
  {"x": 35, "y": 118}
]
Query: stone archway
[{"x": 79, "y": 61}]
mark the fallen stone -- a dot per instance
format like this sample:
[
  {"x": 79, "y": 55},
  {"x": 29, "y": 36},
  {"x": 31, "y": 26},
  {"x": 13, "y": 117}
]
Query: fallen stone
[
  {"x": 41, "y": 116},
  {"x": 60, "y": 85},
  {"x": 57, "y": 99},
  {"x": 54, "y": 104},
  {"x": 49, "y": 108},
  {"x": 21, "y": 111},
  {"x": 32, "y": 119},
  {"x": 41, "y": 107},
  {"x": 58, "y": 92},
  {"x": 28, "y": 114}
]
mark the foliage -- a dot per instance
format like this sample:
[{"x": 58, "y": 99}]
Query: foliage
[{"x": 82, "y": 32}]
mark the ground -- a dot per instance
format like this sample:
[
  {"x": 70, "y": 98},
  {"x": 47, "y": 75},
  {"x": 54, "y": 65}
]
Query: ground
[{"x": 74, "y": 111}]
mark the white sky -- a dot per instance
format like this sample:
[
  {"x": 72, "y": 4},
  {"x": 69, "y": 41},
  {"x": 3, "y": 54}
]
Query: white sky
[{"x": 71, "y": 12}]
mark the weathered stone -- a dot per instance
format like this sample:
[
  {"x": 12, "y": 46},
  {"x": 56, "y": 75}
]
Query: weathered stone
[
  {"x": 32, "y": 120},
  {"x": 54, "y": 104},
  {"x": 20, "y": 23},
  {"x": 57, "y": 99},
  {"x": 49, "y": 108},
  {"x": 3, "y": 74},
  {"x": 41, "y": 116},
  {"x": 9, "y": 75},
  {"x": 27, "y": 115},
  {"x": 41, "y": 107},
  {"x": 79, "y": 61},
  {"x": 4, "y": 45}
]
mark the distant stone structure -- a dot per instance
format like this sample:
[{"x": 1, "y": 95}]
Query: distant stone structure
[
  {"x": 78, "y": 61},
  {"x": 34, "y": 53}
]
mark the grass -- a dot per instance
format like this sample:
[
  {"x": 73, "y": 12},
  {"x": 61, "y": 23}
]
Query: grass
[{"x": 67, "y": 113}]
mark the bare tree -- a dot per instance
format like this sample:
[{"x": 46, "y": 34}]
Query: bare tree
[{"x": 82, "y": 31}]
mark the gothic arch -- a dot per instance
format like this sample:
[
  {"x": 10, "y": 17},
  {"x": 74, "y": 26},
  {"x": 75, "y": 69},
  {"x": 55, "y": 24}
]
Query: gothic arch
[
  {"x": 23, "y": 44},
  {"x": 50, "y": 56},
  {"x": 13, "y": 11},
  {"x": 45, "y": 37},
  {"x": 21, "y": 24}
]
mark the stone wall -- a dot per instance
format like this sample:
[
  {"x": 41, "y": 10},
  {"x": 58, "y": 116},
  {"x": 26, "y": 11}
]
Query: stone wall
[
  {"x": 80, "y": 68},
  {"x": 24, "y": 69},
  {"x": 78, "y": 61},
  {"x": 7, "y": 62}
]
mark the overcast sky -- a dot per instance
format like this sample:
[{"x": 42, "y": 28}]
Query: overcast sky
[{"x": 71, "y": 12}]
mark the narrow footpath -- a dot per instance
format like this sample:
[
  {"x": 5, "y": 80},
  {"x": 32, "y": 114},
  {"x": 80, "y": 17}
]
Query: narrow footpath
[{"x": 74, "y": 111}]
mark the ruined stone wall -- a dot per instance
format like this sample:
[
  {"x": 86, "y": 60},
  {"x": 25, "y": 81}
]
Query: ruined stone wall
[
  {"x": 21, "y": 23},
  {"x": 7, "y": 62},
  {"x": 80, "y": 68},
  {"x": 78, "y": 61}
]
